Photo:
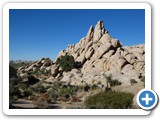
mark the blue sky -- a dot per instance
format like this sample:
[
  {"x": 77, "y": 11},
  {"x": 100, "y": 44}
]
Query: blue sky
[{"x": 34, "y": 34}]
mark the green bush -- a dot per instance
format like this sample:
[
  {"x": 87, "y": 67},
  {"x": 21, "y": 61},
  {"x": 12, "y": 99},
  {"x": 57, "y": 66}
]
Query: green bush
[
  {"x": 67, "y": 62},
  {"x": 109, "y": 100},
  {"x": 28, "y": 92},
  {"x": 133, "y": 81}
]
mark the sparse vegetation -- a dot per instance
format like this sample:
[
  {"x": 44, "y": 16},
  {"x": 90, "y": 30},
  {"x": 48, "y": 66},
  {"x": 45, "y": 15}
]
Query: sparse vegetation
[
  {"x": 66, "y": 92},
  {"x": 28, "y": 92},
  {"x": 111, "y": 81},
  {"x": 109, "y": 100},
  {"x": 40, "y": 89},
  {"x": 133, "y": 81},
  {"x": 53, "y": 94},
  {"x": 62, "y": 91},
  {"x": 114, "y": 82},
  {"x": 94, "y": 87},
  {"x": 14, "y": 94}
]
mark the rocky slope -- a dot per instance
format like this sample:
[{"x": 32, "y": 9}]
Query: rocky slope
[{"x": 100, "y": 55}]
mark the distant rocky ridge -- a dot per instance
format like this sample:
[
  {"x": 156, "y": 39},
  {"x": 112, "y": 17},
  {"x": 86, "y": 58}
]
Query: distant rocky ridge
[{"x": 99, "y": 55}]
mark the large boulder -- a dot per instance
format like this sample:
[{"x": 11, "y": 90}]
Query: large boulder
[
  {"x": 101, "y": 50},
  {"x": 54, "y": 70},
  {"x": 81, "y": 58},
  {"x": 115, "y": 43},
  {"x": 108, "y": 54},
  {"x": 104, "y": 48},
  {"x": 130, "y": 58},
  {"x": 89, "y": 53},
  {"x": 129, "y": 71},
  {"x": 105, "y": 38},
  {"x": 121, "y": 63}
]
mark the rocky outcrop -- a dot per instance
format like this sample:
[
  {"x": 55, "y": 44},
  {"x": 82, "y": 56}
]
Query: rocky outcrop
[
  {"x": 99, "y": 54},
  {"x": 54, "y": 70},
  {"x": 99, "y": 31},
  {"x": 43, "y": 64}
]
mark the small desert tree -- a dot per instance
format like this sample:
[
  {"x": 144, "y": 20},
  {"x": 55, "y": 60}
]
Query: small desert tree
[{"x": 67, "y": 62}]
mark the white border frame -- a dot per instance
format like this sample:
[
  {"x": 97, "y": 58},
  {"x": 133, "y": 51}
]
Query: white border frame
[{"x": 8, "y": 6}]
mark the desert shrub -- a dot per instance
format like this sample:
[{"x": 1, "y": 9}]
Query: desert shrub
[
  {"x": 53, "y": 94},
  {"x": 56, "y": 85},
  {"x": 28, "y": 92},
  {"x": 67, "y": 62},
  {"x": 66, "y": 92},
  {"x": 114, "y": 82},
  {"x": 94, "y": 87},
  {"x": 40, "y": 89},
  {"x": 133, "y": 81},
  {"x": 109, "y": 100}
]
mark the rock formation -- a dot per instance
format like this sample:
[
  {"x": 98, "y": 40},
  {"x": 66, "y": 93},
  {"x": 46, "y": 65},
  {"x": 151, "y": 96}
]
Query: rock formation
[{"x": 99, "y": 54}]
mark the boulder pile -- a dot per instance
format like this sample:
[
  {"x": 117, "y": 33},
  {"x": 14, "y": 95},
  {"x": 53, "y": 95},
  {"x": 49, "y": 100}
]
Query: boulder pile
[{"x": 100, "y": 55}]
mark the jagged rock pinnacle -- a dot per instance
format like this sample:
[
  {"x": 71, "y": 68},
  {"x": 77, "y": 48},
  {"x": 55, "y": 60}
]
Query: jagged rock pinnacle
[
  {"x": 89, "y": 34},
  {"x": 99, "y": 31}
]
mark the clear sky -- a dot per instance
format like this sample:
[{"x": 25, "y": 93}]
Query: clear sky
[{"x": 35, "y": 34}]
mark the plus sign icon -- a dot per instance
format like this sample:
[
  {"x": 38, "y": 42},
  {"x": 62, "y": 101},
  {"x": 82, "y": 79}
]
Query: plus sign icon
[{"x": 147, "y": 99}]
